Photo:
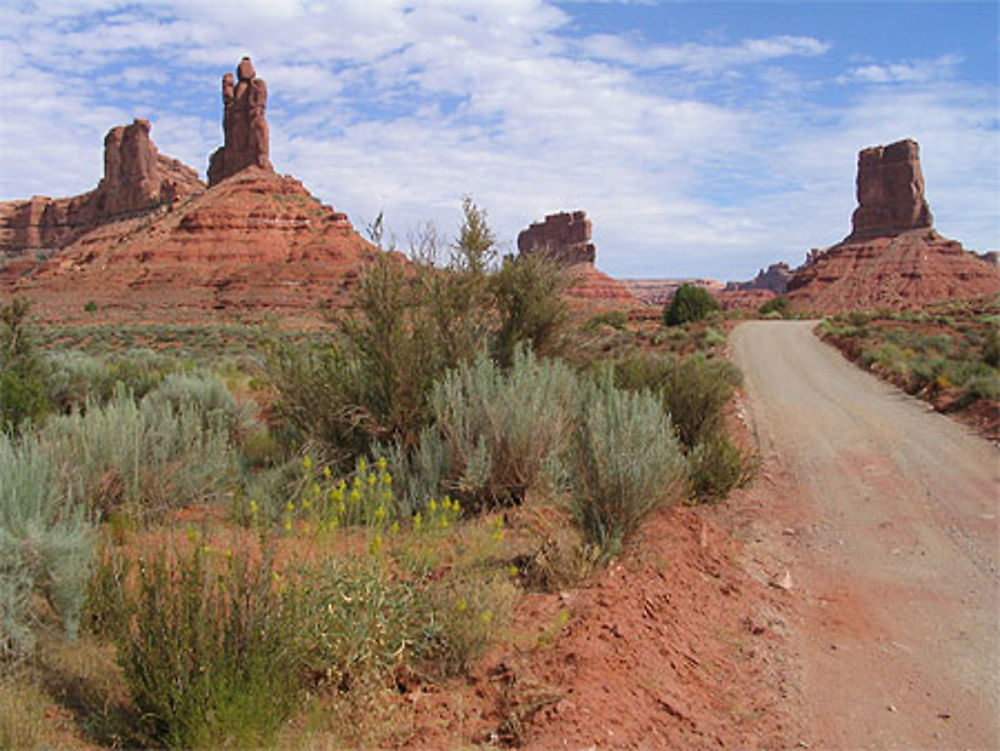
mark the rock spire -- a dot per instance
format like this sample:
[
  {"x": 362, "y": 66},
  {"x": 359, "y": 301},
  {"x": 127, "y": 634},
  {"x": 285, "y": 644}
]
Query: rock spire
[{"x": 246, "y": 136}]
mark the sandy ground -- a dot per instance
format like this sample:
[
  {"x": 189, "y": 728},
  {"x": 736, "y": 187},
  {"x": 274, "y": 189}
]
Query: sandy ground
[{"x": 884, "y": 515}]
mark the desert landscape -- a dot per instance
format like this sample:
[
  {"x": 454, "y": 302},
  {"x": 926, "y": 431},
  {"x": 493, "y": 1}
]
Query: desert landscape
[{"x": 277, "y": 476}]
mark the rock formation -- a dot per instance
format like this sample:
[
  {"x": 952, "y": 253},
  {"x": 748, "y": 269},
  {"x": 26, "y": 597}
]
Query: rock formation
[
  {"x": 893, "y": 258},
  {"x": 890, "y": 190},
  {"x": 246, "y": 137},
  {"x": 258, "y": 241},
  {"x": 137, "y": 179},
  {"x": 773, "y": 279},
  {"x": 564, "y": 236}
]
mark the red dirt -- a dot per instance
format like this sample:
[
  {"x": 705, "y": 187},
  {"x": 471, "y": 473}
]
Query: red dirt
[{"x": 674, "y": 645}]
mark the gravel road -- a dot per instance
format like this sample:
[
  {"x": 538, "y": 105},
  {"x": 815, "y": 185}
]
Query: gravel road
[{"x": 886, "y": 516}]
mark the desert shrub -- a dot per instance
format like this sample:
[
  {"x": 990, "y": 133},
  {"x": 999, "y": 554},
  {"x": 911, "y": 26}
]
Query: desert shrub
[
  {"x": 72, "y": 378},
  {"x": 472, "y": 611},
  {"x": 499, "y": 428},
  {"x": 22, "y": 373},
  {"x": 143, "y": 457},
  {"x": 626, "y": 461},
  {"x": 205, "y": 393},
  {"x": 778, "y": 305},
  {"x": 616, "y": 319},
  {"x": 137, "y": 370},
  {"x": 22, "y": 714},
  {"x": 22, "y": 400},
  {"x": 317, "y": 397},
  {"x": 46, "y": 544},
  {"x": 527, "y": 291},
  {"x": 690, "y": 303},
  {"x": 717, "y": 467},
  {"x": 991, "y": 345},
  {"x": 211, "y": 655},
  {"x": 712, "y": 337},
  {"x": 983, "y": 386},
  {"x": 364, "y": 622}
]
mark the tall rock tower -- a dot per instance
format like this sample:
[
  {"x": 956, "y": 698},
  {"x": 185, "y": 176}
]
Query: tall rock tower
[
  {"x": 890, "y": 191},
  {"x": 247, "y": 138}
]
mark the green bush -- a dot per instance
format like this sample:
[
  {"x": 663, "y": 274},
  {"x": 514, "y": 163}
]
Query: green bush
[
  {"x": 22, "y": 400},
  {"x": 717, "y": 467},
  {"x": 22, "y": 373},
  {"x": 693, "y": 390},
  {"x": 499, "y": 429},
  {"x": 991, "y": 346},
  {"x": 690, "y": 303},
  {"x": 203, "y": 392},
  {"x": 144, "y": 458},
  {"x": 777, "y": 307},
  {"x": 212, "y": 653},
  {"x": 46, "y": 543},
  {"x": 73, "y": 377},
  {"x": 528, "y": 291},
  {"x": 626, "y": 462}
]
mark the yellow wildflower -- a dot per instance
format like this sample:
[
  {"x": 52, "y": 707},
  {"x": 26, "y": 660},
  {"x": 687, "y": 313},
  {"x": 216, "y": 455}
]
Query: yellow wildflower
[
  {"x": 327, "y": 473},
  {"x": 461, "y": 605},
  {"x": 381, "y": 463},
  {"x": 307, "y": 463}
]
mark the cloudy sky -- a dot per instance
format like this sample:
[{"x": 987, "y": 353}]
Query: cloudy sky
[{"x": 702, "y": 138}]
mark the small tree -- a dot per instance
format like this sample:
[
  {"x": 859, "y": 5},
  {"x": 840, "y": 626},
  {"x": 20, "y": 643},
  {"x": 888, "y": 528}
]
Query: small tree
[
  {"x": 22, "y": 385},
  {"x": 690, "y": 303}
]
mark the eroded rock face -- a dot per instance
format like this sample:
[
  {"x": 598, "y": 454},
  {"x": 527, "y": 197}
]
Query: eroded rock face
[
  {"x": 137, "y": 179},
  {"x": 564, "y": 236},
  {"x": 246, "y": 134},
  {"x": 890, "y": 190}
]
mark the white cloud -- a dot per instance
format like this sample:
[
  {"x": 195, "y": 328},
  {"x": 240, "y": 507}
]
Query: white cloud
[
  {"x": 700, "y": 58},
  {"x": 912, "y": 71}
]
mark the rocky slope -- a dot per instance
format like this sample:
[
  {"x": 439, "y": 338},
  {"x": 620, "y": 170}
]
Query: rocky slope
[{"x": 255, "y": 241}]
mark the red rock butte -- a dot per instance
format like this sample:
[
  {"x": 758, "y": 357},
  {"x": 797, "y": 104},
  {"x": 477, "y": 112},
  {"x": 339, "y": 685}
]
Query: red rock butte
[
  {"x": 152, "y": 240},
  {"x": 565, "y": 238},
  {"x": 893, "y": 257}
]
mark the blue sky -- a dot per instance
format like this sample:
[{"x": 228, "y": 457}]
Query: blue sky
[{"x": 702, "y": 138}]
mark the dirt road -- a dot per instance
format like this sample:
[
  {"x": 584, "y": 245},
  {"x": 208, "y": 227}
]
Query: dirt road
[{"x": 885, "y": 515}]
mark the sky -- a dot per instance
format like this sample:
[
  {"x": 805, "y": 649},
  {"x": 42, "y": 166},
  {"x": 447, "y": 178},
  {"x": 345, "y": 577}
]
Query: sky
[{"x": 703, "y": 139}]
